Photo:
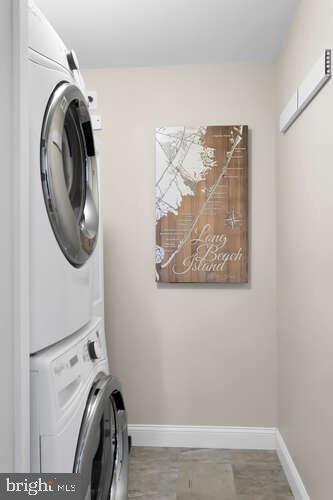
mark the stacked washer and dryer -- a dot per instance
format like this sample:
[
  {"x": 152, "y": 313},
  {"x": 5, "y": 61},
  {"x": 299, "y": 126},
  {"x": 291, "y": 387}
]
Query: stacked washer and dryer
[{"x": 78, "y": 416}]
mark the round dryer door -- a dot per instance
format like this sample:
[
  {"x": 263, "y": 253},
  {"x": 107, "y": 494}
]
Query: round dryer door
[
  {"x": 102, "y": 451},
  {"x": 69, "y": 173}
]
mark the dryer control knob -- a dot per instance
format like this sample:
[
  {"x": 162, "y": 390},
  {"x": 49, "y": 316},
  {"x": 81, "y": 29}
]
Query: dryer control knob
[
  {"x": 93, "y": 350},
  {"x": 72, "y": 60}
]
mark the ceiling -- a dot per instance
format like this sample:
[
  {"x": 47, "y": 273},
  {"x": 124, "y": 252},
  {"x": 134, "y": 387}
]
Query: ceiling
[{"x": 159, "y": 32}]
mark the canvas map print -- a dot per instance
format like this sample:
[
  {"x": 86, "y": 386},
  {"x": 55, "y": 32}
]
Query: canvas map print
[{"x": 202, "y": 204}]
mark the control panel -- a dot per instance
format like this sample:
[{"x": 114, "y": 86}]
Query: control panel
[{"x": 71, "y": 368}]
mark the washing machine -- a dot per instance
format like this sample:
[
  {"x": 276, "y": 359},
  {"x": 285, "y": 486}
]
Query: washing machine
[
  {"x": 78, "y": 416},
  {"x": 64, "y": 206}
]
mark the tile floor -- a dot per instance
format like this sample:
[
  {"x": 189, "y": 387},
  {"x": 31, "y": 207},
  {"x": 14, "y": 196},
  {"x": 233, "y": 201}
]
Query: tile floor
[{"x": 200, "y": 474}]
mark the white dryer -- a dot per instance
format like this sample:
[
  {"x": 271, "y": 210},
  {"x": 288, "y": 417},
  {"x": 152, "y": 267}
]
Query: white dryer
[
  {"x": 64, "y": 189},
  {"x": 79, "y": 421}
]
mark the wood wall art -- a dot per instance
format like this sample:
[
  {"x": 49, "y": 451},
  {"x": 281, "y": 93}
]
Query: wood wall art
[{"x": 202, "y": 204}]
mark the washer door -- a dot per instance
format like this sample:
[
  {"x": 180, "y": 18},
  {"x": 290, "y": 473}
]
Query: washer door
[
  {"x": 69, "y": 173},
  {"x": 102, "y": 451}
]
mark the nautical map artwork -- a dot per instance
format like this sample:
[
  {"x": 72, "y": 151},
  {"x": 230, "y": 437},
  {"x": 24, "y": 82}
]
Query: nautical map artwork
[{"x": 202, "y": 204}]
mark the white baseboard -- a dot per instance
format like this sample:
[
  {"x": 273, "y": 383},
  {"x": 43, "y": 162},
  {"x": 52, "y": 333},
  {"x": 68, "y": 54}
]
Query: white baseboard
[
  {"x": 295, "y": 481},
  {"x": 246, "y": 438},
  {"x": 250, "y": 438}
]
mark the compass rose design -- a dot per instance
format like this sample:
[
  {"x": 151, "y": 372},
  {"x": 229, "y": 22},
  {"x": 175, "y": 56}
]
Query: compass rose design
[{"x": 232, "y": 219}]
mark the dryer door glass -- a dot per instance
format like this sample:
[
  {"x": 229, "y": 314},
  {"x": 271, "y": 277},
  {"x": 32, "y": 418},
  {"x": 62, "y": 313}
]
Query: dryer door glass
[
  {"x": 102, "y": 451},
  {"x": 69, "y": 173}
]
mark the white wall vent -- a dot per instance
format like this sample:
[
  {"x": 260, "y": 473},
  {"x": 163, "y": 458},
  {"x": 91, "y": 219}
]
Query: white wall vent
[{"x": 319, "y": 74}]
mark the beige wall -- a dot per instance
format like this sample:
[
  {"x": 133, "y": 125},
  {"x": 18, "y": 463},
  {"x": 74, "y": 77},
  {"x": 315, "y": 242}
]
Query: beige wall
[
  {"x": 186, "y": 354},
  {"x": 305, "y": 249}
]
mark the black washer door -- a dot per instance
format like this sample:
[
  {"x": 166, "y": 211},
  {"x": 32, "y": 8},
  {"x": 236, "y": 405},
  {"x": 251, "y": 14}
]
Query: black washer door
[
  {"x": 69, "y": 173},
  {"x": 100, "y": 450}
]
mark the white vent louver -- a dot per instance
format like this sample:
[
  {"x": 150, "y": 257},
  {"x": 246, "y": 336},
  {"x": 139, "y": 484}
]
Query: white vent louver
[{"x": 319, "y": 74}]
